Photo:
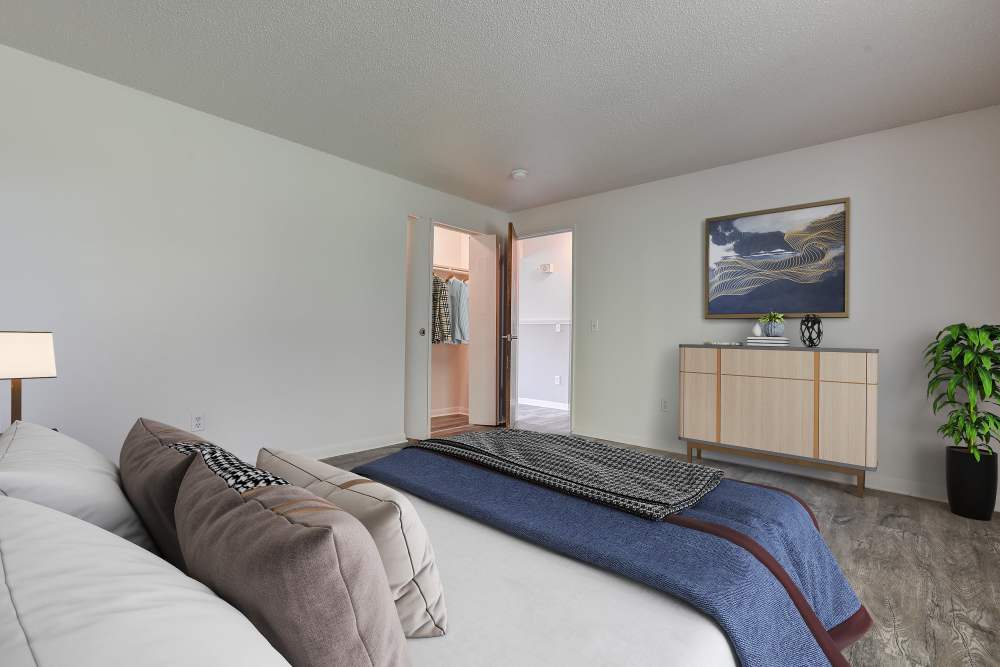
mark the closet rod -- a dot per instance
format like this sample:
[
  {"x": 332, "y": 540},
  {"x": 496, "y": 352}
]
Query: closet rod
[{"x": 439, "y": 267}]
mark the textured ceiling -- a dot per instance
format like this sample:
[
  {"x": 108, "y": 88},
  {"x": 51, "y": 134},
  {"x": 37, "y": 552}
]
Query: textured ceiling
[{"x": 587, "y": 95}]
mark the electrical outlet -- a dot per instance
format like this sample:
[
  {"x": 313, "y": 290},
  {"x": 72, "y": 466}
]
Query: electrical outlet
[
  {"x": 558, "y": 379},
  {"x": 664, "y": 407},
  {"x": 595, "y": 325},
  {"x": 197, "y": 423}
]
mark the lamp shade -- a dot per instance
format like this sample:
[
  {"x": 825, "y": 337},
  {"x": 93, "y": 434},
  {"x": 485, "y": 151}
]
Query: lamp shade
[{"x": 27, "y": 354}]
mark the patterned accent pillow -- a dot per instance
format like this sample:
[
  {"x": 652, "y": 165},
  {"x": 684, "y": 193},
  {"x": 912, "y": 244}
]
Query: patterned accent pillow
[
  {"x": 238, "y": 475},
  {"x": 155, "y": 458}
]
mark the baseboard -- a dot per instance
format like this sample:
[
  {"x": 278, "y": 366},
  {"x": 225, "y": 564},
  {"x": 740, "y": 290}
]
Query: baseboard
[
  {"x": 538, "y": 403},
  {"x": 352, "y": 446},
  {"x": 443, "y": 412}
]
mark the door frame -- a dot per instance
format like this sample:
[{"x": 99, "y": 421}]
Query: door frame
[
  {"x": 416, "y": 370},
  {"x": 435, "y": 222},
  {"x": 573, "y": 323}
]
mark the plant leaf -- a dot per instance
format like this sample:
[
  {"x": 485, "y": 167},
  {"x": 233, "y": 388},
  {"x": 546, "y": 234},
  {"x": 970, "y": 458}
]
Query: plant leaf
[
  {"x": 987, "y": 383},
  {"x": 951, "y": 387}
]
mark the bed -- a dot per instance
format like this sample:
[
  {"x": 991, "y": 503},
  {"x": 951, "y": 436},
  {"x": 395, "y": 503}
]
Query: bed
[
  {"x": 540, "y": 608},
  {"x": 682, "y": 538}
]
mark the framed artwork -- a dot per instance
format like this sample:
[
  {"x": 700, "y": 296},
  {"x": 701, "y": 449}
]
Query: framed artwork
[{"x": 793, "y": 260}]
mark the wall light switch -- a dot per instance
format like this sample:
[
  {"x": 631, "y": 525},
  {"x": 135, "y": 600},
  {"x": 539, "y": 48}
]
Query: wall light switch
[
  {"x": 558, "y": 379},
  {"x": 595, "y": 325},
  {"x": 558, "y": 327},
  {"x": 664, "y": 406},
  {"x": 197, "y": 423}
]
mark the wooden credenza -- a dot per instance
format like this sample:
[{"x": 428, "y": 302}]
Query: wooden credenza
[{"x": 796, "y": 405}]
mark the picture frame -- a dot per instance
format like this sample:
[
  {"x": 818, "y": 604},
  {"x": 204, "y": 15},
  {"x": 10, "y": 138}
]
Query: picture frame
[{"x": 792, "y": 259}]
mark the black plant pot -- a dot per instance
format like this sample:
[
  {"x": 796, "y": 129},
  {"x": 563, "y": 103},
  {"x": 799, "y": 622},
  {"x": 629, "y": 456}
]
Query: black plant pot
[{"x": 972, "y": 486}]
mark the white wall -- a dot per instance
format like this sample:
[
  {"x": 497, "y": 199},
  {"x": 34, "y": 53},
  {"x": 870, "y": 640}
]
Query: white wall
[
  {"x": 543, "y": 300},
  {"x": 449, "y": 380},
  {"x": 451, "y": 248},
  {"x": 543, "y": 353},
  {"x": 546, "y": 296},
  {"x": 925, "y": 229},
  {"x": 191, "y": 265}
]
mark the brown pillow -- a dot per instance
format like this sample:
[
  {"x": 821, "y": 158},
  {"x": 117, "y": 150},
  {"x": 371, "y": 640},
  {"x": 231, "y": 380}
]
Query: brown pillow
[
  {"x": 151, "y": 472},
  {"x": 306, "y": 573}
]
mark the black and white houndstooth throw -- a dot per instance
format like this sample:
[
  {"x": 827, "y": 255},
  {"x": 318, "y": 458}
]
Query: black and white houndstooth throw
[{"x": 644, "y": 484}]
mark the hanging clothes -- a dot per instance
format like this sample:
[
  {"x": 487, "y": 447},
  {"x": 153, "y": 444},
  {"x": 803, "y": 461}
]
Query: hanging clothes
[
  {"x": 458, "y": 295},
  {"x": 440, "y": 312}
]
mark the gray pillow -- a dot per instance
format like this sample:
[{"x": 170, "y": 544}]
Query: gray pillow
[
  {"x": 306, "y": 573},
  {"x": 151, "y": 471}
]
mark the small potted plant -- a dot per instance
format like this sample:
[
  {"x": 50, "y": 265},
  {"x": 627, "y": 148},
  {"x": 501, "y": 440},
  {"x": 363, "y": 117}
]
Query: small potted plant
[
  {"x": 774, "y": 323},
  {"x": 964, "y": 378}
]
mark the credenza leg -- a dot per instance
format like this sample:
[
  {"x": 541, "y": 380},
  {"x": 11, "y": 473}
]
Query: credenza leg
[
  {"x": 698, "y": 453},
  {"x": 860, "y": 491}
]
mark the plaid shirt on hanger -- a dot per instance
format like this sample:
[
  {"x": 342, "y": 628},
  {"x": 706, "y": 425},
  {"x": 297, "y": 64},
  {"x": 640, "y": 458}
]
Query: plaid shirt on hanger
[{"x": 440, "y": 312}]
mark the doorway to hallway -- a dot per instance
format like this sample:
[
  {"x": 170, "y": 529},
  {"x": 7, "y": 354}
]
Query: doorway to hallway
[{"x": 545, "y": 332}]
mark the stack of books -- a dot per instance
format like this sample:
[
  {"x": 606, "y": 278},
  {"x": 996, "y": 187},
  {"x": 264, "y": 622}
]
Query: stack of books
[{"x": 767, "y": 341}]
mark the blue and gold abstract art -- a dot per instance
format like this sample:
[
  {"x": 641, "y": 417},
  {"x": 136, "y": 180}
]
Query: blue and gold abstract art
[{"x": 792, "y": 260}]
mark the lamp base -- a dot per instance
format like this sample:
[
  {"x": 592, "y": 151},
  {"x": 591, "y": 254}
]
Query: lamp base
[{"x": 15, "y": 400}]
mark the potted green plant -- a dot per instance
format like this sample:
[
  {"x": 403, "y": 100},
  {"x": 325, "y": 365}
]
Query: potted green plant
[
  {"x": 964, "y": 379},
  {"x": 774, "y": 323}
]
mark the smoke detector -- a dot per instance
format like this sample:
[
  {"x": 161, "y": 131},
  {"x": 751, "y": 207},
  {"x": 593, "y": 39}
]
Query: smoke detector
[{"x": 519, "y": 174}]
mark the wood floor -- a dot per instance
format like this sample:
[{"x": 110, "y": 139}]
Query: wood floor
[
  {"x": 529, "y": 417},
  {"x": 930, "y": 579},
  {"x": 545, "y": 420}
]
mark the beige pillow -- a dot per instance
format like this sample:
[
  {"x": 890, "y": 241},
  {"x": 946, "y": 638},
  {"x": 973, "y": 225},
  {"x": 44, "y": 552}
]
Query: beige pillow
[
  {"x": 399, "y": 534},
  {"x": 304, "y": 572}
]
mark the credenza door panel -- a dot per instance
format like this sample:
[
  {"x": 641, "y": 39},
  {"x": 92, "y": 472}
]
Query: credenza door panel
[
  {"x": 699, "y": 360},
  {"x": 774, "y": 415},
  {"x": 843, "y": 367},
  {"x": 698, "y": 406},
  {"x": 843, "y": 411}
]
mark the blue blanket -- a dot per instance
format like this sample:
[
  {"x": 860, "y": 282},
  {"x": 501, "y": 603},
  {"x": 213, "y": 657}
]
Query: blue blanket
[{"x": 777, "y": 604}]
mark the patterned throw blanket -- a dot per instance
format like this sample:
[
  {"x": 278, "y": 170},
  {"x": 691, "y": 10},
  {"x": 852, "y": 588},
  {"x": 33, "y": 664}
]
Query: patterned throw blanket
[{"x": 644, "y": 484}]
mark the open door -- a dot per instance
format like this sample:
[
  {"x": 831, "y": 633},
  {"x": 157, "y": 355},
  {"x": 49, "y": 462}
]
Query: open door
[
  {"x": 417, "y": 396},
  {"x": 509, "y": 337},
  {"x": 484, "y": 328}
]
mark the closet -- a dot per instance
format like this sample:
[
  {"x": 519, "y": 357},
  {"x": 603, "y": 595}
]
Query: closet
[{"x": 463, "y": 359}]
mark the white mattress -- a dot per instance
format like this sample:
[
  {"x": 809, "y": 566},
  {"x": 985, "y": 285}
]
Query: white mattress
[{"x": 513, "y": 603}]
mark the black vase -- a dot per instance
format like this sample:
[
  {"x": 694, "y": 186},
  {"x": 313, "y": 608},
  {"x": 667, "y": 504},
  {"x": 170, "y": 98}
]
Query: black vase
[
  {"x": 811, "y": 330},
  {"x": 972, "y": 486}
]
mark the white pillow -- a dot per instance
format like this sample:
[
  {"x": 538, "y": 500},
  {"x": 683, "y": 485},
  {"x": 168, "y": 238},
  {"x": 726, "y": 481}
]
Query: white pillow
[
  {"x": 52, "y": 469},
  {"x": 78, "y": 596}
]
